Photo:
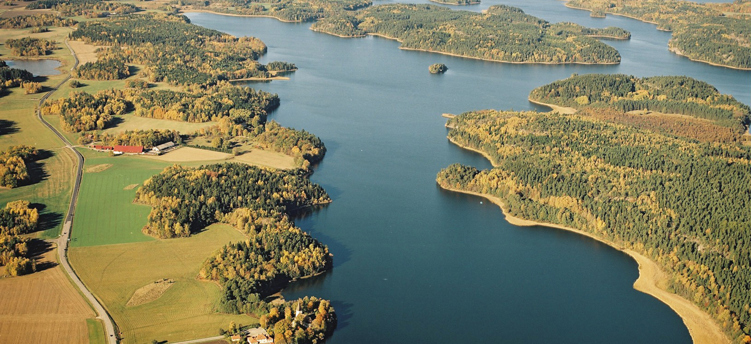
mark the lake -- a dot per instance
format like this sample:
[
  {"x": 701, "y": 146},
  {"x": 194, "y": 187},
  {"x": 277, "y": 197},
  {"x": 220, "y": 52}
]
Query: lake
[
  {"x": 37, "y": 67},
  {"x": 414, "y": 263}
]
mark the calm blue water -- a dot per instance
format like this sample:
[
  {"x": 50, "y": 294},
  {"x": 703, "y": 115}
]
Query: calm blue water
[
  {"x": 413, "y": 263},
  {"x": 36, "y": 67}
]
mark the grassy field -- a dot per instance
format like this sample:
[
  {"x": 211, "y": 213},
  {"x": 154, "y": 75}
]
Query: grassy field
[
  {"x": 51, "y": 176},
  {"x": 105, "y": 213},
  {"x": 96, "y": 331},
  {"x": 184, "y": 311},
  {"x": 43, "y": 307}
]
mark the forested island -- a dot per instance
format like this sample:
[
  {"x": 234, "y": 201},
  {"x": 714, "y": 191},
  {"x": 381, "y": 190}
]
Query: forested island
[
  {"x": 501, "y": 33},
  {"x": 673, "y": 198},
  {"x": 715, "y": 33}
]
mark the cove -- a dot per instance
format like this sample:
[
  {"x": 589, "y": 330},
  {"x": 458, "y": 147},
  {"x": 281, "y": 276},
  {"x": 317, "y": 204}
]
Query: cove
[{"x": 413, "y": 263}]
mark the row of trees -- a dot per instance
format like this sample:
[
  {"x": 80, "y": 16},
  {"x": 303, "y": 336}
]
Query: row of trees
[
  {"x": 502, "y": 33},
  {"x": 15, "y": 219},
  {"x": 146, "y": 138},
  {"x": 666, "y": 94},
  {"x": 681, "y": 202},
  {"x": 28, "y": 46},
  {"x": 702, "y": 31},
  {"x": 13, "y": 169}
]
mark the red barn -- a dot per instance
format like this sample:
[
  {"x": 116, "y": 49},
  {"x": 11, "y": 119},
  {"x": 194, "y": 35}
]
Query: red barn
[
  {"x": 99, "y": 147},
  {"x": 129, "y": 149}
]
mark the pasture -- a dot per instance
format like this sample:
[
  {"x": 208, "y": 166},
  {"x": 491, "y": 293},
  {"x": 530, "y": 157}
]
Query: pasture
[
  {"x": 105, "y": 213},
  {"x": 185, "y": 310},
  {"x": 131, "y": 122},
  {"x": 43, "y": 307}
]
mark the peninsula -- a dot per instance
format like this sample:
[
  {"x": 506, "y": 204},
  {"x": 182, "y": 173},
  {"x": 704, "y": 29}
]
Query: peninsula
[
  {"x": 713, "y": 33},
  {"x": 630, "y": 180}
]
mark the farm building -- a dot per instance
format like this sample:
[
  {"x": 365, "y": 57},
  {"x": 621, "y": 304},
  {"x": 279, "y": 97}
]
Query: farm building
[
  {"x": 162, "y": 147},
  {"x": 260, "y": 339},
  {"x": 128, "y": 149},
  {"x": 100, "y": 147}
]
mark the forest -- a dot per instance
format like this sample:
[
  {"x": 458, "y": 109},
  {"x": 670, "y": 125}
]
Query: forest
[
  {"x": 22, "y": 22},
  {"x": 187, "y": 199},
  {"x": 664, "y": 94},
  {"x": 501, "y": 33},
  {"x": 87, "y": 8},
  {"x": 13, "y": 169},
  {"x": 28, "y": 46},
  {"x": 17, "y": 218},
  {"x": 710, "y": 32},
  {"x": 304, "y": 321},
  {"x": 285, "y": 10},
  {"x": 172, "y": 50},
  {"x": 84, "y": 112},
  {"x": 682, "y": 202}
]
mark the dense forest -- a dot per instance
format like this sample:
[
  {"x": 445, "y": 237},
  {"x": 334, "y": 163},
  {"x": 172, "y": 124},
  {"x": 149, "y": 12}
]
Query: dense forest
[
  {"x": 83, "y": 111},
  {"x": 285, "y": 10},
  {"x": 188, "y": 199},
  {"x": 15, "y": 219},
  {"x": 682, "y": 202},
  {"x": 664, "y": 94},
  {"x": 22, "y": 22},
  {"x": 28, "y": 46},
  {"x": 715, "y": 33},
  {"x": 172, "y": 50},
  {"x": 501, "y": 33},
  {"x": 13, "y": 170},
  {"x": 88, "y": 8}
]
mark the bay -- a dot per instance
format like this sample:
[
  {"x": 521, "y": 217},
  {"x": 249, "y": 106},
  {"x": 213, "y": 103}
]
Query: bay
[{"x": 413, "y": 263}]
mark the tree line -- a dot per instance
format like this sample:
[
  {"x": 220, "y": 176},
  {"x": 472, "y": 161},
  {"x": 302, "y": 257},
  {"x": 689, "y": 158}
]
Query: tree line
[
  {"x": 681, "y": 202},
  {"x": 666, "y": 94},
  {"x": 22, "y": 22}
]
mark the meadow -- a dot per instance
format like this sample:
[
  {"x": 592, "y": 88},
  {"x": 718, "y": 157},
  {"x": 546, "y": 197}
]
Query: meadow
[{"x": 185, "y": 311}]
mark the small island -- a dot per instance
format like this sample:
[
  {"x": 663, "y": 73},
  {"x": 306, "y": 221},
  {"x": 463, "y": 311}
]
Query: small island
[{"x": 438, "y": 68}]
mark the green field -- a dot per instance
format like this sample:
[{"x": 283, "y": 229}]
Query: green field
[
  {"x": 185, "y": 311},
  {"x": 131, "y": 122},
  {"x": 52, "y": 176},
  {"x": 96, "y": 332},
  {"x": 105, "y": 213}
]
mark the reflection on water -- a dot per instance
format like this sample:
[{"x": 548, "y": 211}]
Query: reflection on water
[{"x": 36, "y": 67}]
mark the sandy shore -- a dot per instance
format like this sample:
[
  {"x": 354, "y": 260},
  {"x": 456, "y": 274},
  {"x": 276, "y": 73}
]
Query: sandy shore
[
  {"x": 652, "y": 281},
  {"x": 238, "y": 15},
  {"x": 555, "y": 108}
]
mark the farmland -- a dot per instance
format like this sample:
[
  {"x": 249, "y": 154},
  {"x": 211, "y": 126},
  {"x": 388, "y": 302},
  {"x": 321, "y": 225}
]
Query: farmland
[
  {"x": 44, "y": 306},
  {"x": 184, "y": 311},
  {"x": 106, "y": 213}
]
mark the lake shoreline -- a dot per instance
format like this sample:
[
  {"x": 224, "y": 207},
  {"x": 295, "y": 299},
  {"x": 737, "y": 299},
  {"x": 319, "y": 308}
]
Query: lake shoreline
[{"x": 652, "y": 278}]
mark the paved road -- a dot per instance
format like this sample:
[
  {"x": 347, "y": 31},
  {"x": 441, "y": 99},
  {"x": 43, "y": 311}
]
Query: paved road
[{"x": 62, "y": 242}]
